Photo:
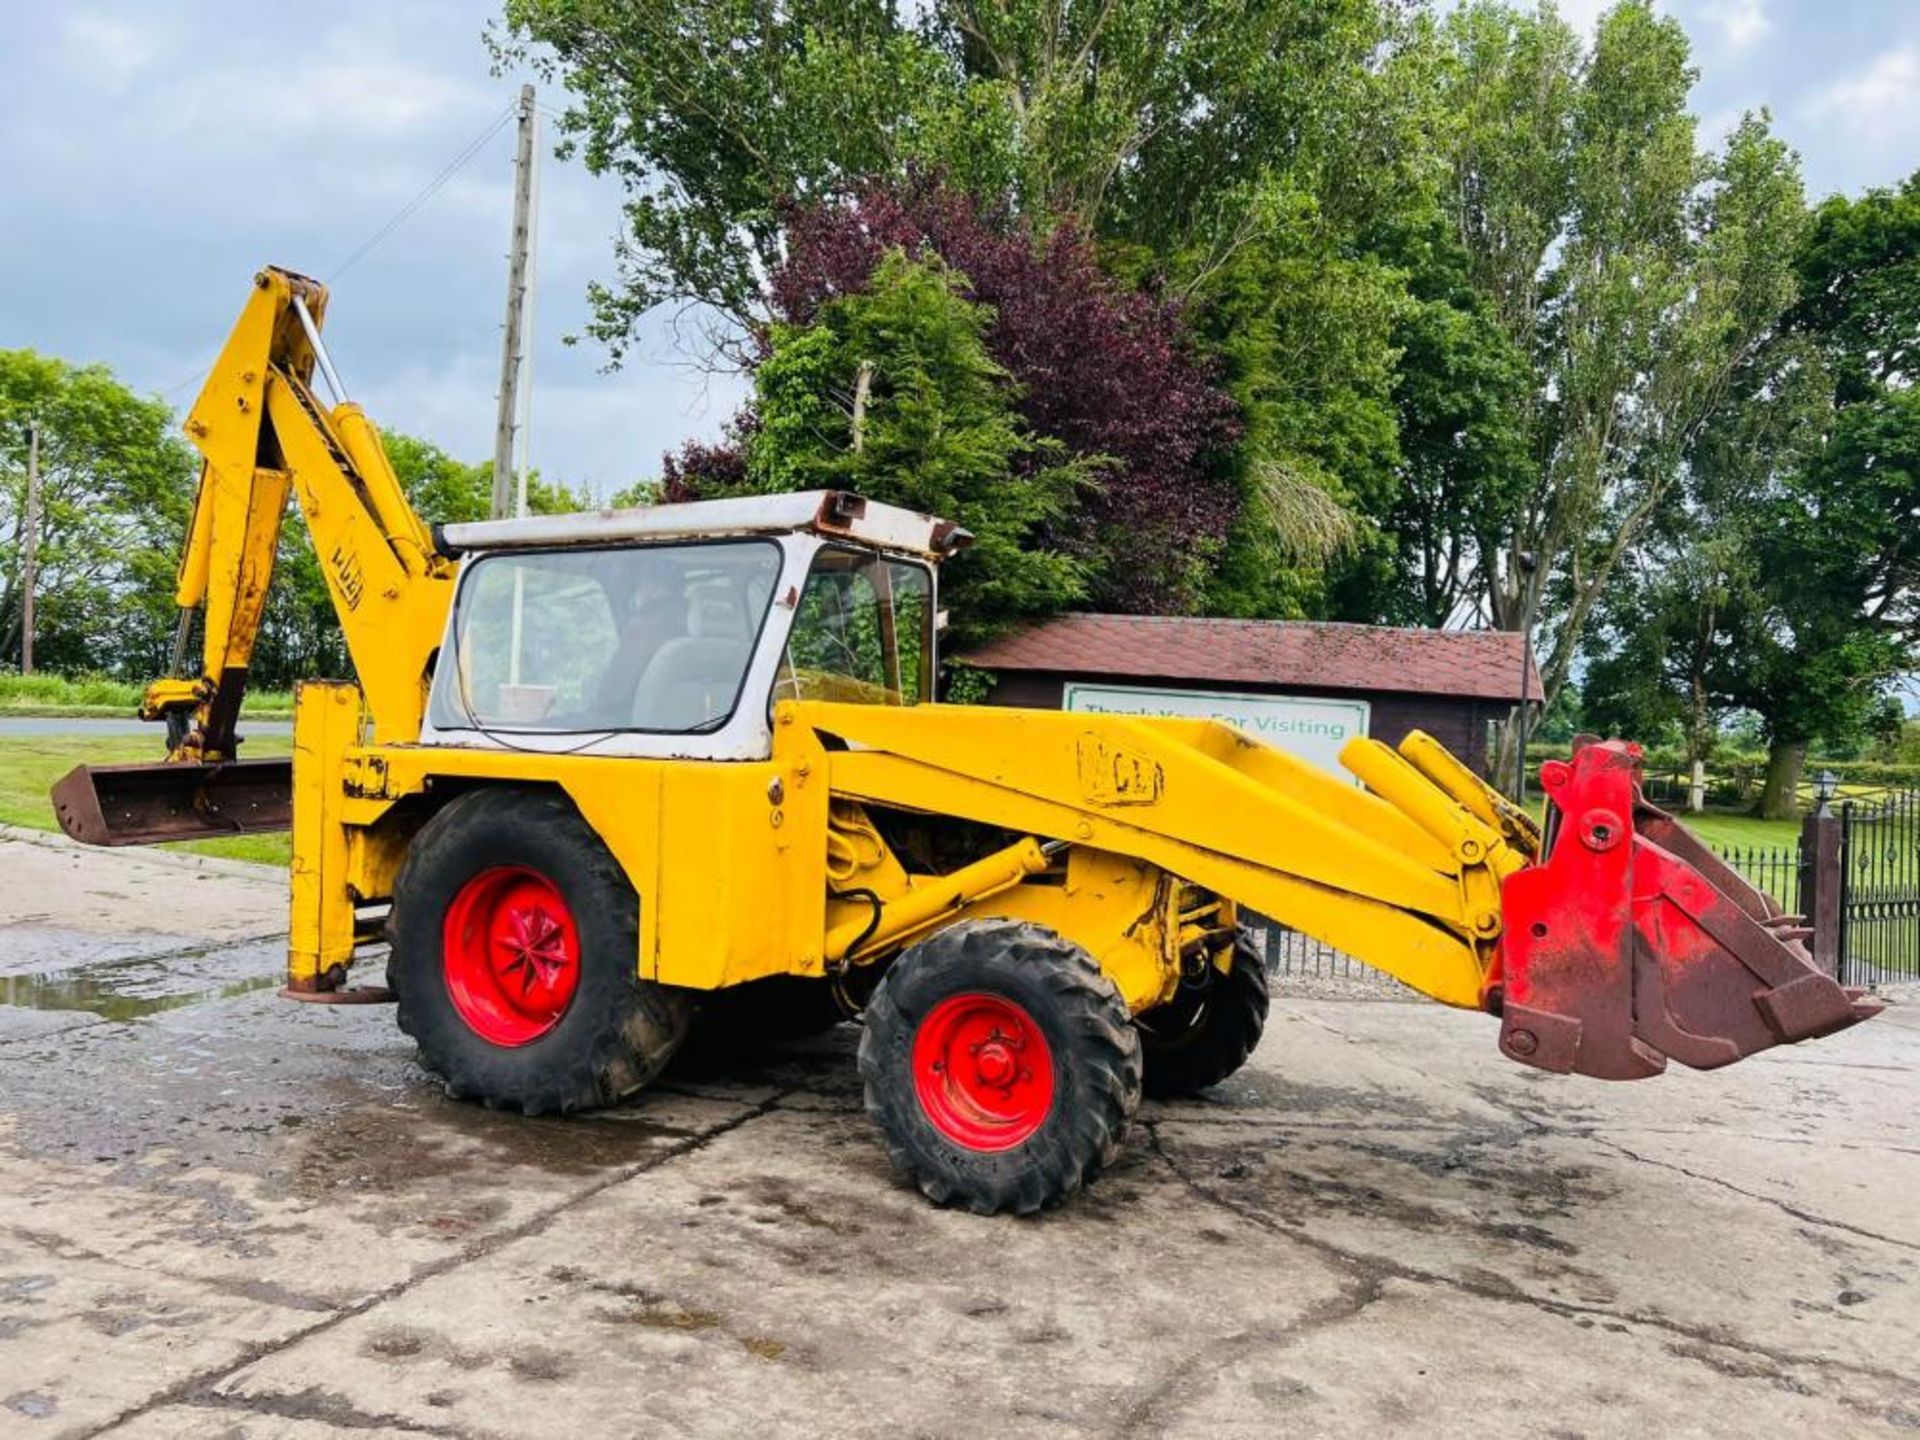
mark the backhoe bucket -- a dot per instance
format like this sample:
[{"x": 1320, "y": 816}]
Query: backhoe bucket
[
  {"x": 173, "y": 800},
  {"x": 1631, "y": 943}
]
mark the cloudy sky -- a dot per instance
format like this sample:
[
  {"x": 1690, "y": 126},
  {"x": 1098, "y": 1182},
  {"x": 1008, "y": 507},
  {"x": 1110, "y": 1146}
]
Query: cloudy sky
[{"x": 152, "y": 156}]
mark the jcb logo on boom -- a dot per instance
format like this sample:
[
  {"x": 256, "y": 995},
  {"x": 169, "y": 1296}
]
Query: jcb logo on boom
[
  {"x": 1113, "y": 775},
  {"x": 346, "y": 569}
]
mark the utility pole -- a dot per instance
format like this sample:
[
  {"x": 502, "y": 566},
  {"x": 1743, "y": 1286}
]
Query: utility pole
[
  {"x": 1527, "y": 562},
  {"x": 30, "y": 547},
  {"x": 513, "y": 334}
]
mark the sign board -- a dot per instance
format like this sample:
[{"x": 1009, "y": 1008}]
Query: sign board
[{"x": 1310, "y": 728}]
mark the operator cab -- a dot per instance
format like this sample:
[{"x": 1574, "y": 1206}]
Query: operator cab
[{"x": 673, "y": 630}]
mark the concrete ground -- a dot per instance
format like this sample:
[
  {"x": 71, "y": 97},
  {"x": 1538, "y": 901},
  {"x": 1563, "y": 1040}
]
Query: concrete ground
[{"x": 226, "y": 1215}]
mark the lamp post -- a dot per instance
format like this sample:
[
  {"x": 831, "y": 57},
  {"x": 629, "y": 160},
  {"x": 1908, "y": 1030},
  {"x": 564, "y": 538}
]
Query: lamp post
[{"x": 1825, "y": 786}]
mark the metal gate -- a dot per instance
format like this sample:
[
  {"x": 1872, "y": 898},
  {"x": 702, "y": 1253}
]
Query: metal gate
[{"x": 1880, "y": 890}]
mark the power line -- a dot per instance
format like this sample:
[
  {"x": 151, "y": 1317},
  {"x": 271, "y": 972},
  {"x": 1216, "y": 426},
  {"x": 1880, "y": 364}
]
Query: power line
[
  {"x": 427, "y": 192},
  {"x": 400, "y": 217},
  {"x": 193, "y": 379}
]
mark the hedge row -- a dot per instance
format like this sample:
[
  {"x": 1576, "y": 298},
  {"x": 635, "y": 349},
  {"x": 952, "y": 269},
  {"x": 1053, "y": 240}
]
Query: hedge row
[
  {"x": 1740, "y": 768},
  {"x": 101, "y": 695}
]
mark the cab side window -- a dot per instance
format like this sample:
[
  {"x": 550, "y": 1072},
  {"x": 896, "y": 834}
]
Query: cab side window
[{"x": 862, "y": 633}]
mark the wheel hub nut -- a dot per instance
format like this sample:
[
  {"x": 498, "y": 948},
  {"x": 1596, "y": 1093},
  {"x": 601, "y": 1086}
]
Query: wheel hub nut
[{"x": 994, "y": 1064}]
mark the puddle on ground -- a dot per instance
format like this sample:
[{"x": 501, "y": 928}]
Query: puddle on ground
[{"x": 124, "y": 990}]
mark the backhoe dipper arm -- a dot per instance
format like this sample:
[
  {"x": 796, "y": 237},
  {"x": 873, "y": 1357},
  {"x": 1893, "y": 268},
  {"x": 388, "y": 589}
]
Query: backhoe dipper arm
[{"x": 263, "y": 434}]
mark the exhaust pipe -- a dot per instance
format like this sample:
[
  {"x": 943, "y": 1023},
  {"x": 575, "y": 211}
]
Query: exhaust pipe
[{"x": 1631, "y": 943}]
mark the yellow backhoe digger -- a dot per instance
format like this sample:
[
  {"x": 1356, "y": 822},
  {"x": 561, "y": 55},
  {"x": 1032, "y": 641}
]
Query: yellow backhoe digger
[{"x": 597, "y": 771}]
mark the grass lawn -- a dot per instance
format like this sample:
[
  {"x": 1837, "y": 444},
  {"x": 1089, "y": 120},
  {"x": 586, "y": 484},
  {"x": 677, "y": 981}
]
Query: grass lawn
[
  {"x": 1721, "y": 830},
  {"x": 29, "y": 764}
]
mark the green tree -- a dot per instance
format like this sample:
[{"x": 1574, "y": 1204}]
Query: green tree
[
  {"x": 1819, "y": 467},
  {"x": 1662, "y": 651},
  {"x": 1462, "y": 396},
  {"x": 1182, "y": 125},
  {"x": 715, "y": 115},
  {"x": 116, "y": 488},
  {"x": 1899, "y": 746},
  {"x": 1799, "y": 511},
  {"x": 1859, "y": 276},
  {"x": 1840, "y": 550},
  {"x": 1304, "y": 335},
  {"x": 1636, "y": 275},
  {"x": 1167, "y": 123},
  {"x": 1229, "y": 153},
  {"x": 891, "y": 392}
]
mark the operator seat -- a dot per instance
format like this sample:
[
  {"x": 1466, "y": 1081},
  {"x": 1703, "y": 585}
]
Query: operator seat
[{"x": 693, "y": 680}]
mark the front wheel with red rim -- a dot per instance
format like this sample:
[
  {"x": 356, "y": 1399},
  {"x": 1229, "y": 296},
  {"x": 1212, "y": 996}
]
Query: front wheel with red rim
[
  {"x": 983, "y": 1071},
  {"x": 1001, "y": 1066}
]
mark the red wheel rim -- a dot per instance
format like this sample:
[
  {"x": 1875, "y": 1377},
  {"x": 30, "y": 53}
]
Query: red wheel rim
[
  {"x": 983, "y": 1071},
  {"x": 511, "y": 954}
]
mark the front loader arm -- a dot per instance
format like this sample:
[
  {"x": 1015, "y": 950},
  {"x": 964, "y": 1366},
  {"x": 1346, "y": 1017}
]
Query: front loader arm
[
  {"x": 263, "y": 435},
  {"x": 1620, "y": 944},
  {"x": 1412, "y": 889}
]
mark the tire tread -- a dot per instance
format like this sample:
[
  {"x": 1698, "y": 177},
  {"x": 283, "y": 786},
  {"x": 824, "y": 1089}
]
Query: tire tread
[
  {"x": 1227, "y": 1036},
  {"x": 1103, "y": 1071}
]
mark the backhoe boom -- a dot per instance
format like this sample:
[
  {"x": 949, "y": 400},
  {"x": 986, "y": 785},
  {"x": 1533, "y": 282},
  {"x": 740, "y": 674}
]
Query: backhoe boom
[{"x": 264, "y": 436}]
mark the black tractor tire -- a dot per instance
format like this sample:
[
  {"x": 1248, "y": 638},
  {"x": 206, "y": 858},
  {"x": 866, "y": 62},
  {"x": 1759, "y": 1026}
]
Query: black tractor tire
[
  {"x": 1208, "y": 1031},
  {"x": 1061, "y": 1012},
  {"x": 616, "y": 1030}
]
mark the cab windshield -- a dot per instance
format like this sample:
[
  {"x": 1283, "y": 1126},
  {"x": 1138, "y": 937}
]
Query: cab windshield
[
  {"x": 654, "y": 638},
  {"x": 863, "y": 632}
]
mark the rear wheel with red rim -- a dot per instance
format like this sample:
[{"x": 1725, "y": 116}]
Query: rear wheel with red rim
[
  {"x": 511, "y": 952},
  {"x": 1209, "y": 1029},
  {"x": 515, "y": 958},
  {"x": 1000, "y": 1064}
]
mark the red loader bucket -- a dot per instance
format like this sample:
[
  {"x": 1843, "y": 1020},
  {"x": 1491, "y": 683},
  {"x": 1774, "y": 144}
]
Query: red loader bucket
[{"x": 1631, "y": 943}]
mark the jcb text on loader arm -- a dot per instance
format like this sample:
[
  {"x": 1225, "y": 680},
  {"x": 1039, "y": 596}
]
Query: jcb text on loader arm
[{"x": 602, "y": 777}]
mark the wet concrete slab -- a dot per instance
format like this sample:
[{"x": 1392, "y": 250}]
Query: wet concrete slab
[
  {"x": 814, "y": 1298},
  {"x": 62, "y": 903},
  {"x": 222, "y": 1214}
]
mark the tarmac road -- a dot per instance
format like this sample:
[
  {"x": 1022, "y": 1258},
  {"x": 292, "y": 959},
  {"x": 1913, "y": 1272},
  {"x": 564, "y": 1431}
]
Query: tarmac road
[
  {"x": 223, "y": 1214},
  {"x": 98, "y": 725}
]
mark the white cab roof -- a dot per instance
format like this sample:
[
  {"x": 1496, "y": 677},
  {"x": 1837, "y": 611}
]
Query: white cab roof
[{"x": 837, "y": 514}]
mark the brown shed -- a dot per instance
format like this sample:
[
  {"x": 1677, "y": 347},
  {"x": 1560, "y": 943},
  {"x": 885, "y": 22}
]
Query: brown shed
[{"x": 1303, "y": 685}]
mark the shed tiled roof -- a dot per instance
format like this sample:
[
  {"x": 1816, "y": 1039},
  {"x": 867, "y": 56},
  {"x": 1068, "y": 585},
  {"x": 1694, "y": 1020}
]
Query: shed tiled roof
[{"x": 1473, "y": 664}]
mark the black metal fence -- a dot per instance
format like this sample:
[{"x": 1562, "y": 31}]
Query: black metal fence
[
  {"x": 1298, "y": 956},
  {"x": 1777, "y": 869},
  {"x": 1880, "y": 890}
]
